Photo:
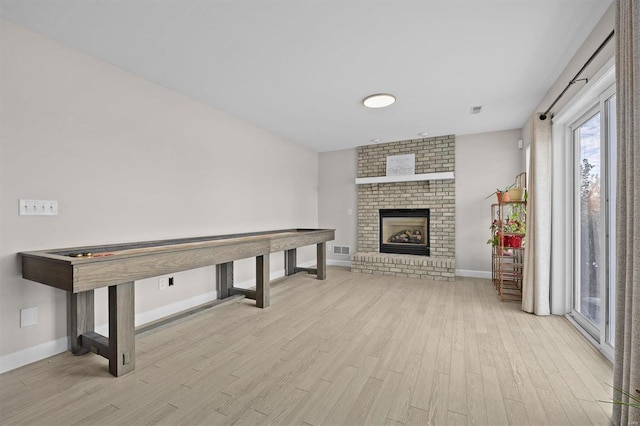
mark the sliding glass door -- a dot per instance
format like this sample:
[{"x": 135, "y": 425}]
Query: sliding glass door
[{"x": 594, "y": 219}]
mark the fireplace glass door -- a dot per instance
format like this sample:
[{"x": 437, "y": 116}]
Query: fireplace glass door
[{"x": 404, "y": 231}]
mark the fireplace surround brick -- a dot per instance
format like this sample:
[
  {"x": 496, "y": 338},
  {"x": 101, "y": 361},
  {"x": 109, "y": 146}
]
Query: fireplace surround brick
[
  {"x": 403, "y": 265},
  {"x": 433, "y": 155}
]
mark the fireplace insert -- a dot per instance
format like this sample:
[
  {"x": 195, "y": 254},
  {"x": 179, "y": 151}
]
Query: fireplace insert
[{"x": 404, "y": 231}]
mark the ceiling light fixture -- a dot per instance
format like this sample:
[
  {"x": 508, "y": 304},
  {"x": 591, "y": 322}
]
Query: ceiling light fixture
[{"x": 379, "y": 100}]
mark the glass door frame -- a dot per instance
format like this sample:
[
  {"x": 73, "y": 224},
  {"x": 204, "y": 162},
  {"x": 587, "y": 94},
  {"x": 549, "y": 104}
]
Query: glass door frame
[{"x": 601, "y": 334}]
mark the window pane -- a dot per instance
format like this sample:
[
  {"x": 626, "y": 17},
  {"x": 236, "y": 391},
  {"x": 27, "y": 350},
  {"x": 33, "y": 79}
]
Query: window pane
[{"x": 590, "y": 253}]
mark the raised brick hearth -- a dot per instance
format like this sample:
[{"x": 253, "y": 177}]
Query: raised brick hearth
[
  {"x": 403, "y": 265},
  {"x": 433, "y": 155}
]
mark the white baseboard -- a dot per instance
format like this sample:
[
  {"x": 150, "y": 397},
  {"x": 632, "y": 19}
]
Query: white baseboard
[
  {"x": 32, "y": 354},
  {"x": 473, "y": 274},
  {"x": 44, "y": 350},
  {"x": 334, "y": 262}
]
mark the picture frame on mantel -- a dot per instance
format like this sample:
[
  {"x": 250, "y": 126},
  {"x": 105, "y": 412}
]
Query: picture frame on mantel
[{"x": 401, "y": 165}]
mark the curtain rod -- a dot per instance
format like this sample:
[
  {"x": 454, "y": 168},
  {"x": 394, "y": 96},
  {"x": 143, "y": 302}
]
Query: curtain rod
[{"x": 575, "y": 78}]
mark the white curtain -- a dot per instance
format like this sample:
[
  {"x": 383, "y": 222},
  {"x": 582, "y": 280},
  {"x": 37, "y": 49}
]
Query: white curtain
[
  {"x": 537, "y": 253},
  {"x": 627, "y": 355}
]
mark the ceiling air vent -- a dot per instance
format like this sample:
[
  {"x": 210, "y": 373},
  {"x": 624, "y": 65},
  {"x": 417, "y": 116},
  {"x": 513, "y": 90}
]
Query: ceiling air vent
[{"x": 476, "y": 109}]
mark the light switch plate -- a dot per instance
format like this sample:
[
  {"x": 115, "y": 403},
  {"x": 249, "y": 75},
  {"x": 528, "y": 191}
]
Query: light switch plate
[{"x": 38, "y": 208}]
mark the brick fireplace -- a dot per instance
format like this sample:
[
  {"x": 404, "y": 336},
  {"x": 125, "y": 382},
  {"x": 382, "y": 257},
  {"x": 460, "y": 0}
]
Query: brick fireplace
[{"x": 432, "y": 155}]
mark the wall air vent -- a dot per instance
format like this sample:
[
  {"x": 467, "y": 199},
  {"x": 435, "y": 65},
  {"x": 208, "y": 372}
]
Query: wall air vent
[
  {"x": 476, "y": 109},
  {"x": 341, "y": 250}
]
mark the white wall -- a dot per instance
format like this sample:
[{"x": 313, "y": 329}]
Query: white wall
[
  {"x": 484, "y": 163},
  {"x": 127, "y": 160},
  {"x": 590, "y": 45},
  {"x": 338, "y": 199}
]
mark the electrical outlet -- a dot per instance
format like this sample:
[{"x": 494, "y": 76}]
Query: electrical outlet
[
  {"x": 28, "y": 317},
  {"x": 163, "y": 283}
]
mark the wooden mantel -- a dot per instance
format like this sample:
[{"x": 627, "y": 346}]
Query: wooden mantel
[{"x": 405, "y": 178}]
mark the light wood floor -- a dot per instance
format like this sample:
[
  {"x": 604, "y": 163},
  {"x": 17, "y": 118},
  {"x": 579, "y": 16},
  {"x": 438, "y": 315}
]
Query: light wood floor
[{"x": 354, "y": 349}]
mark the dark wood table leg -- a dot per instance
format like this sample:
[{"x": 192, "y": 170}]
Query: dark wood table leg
[
  {"x": 263, "y": 281},
  {"x": 122, "y": 342},
  {"x": 80, "y": 308},
  {"x": 224, "y": 278},
  {"x": 321, "y": 261},
  {"x": 290, "y": 262}
]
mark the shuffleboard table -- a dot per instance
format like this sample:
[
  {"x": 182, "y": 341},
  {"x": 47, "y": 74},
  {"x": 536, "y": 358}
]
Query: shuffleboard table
[{"x": 81, "y": 270}]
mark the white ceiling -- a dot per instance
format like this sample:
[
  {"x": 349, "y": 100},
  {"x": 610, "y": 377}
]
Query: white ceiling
[{"x": 300, "y": 68}]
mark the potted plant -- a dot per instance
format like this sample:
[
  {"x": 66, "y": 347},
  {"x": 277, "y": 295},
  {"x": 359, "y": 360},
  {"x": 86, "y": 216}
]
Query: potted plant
[
  {"x": 517, "y": 191},
  {"x": 517, "y": 194},
  {"x": 498, "y": 238},
  {"x": 514, "y": 225},
  {"x": 502, "y": 195}
]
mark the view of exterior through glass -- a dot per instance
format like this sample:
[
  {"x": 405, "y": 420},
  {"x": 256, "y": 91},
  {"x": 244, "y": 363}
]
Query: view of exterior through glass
[{"x": 588, "y": 299}]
